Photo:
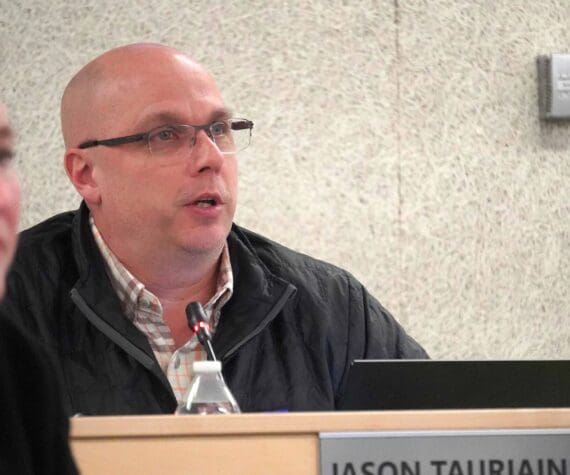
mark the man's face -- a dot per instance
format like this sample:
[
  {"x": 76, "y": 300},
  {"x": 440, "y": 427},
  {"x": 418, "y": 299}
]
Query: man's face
[
  {"x": 9, "y": 200},
  {"x": 153, "y": 202}
]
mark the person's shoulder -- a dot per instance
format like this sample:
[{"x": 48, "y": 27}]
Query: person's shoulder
[
  {"x": 45, "y": 240},
  {"x": 54, "y": 227},
  {"x": 38, "y": 432},
  {"x": 290, "y": 264}
]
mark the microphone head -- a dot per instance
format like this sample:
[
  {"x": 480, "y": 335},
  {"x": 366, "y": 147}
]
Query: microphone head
[{"x": 197, "y": 320}]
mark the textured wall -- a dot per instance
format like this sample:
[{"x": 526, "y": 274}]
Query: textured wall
[{"x": 398, "y": 139}]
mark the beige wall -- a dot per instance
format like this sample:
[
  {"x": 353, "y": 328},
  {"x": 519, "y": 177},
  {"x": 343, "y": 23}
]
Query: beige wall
[{"x": 398, "y": 139}]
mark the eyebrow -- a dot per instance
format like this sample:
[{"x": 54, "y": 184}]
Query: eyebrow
[{"x": 167, "y": 118}]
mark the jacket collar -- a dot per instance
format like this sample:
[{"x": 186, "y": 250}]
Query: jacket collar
[
  {"x": 97, "y": 294},
  {"x": 258, "y": 295}
]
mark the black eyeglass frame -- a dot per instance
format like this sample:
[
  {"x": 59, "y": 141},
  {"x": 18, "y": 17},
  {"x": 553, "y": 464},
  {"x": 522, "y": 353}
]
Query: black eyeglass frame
[{"x": 235, "y": 124}]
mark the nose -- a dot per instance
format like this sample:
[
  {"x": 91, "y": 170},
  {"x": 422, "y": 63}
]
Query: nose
[{"x": 206, "y": 155}]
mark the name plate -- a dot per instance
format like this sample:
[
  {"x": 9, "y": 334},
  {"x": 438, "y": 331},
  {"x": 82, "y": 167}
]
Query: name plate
[{"x": 473, "y": 452}]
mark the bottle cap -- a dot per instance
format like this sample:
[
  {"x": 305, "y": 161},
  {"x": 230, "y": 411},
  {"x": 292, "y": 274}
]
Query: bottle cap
[{"x": 207, "y": 366}]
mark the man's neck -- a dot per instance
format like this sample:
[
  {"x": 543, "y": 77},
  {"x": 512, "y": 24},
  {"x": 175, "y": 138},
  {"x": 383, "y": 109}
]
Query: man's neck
[
  {"x": 173, "y": 277},
  {"x": 185, "y": 278},
  {"x": 197, "y": 284},
  {"x": 176, "y": 293}
]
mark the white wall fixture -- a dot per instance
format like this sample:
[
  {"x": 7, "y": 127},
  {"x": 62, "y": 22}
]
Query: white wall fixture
[{"x": 554, "y": 86}]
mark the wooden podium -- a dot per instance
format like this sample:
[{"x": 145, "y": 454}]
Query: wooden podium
[{"x": 259, "y": 443}]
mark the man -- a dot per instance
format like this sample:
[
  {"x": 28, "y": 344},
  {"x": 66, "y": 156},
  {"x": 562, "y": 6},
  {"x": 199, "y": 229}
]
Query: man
[
  {"x": 151, "y": 148},
  {"x": 33, "y": 438}
]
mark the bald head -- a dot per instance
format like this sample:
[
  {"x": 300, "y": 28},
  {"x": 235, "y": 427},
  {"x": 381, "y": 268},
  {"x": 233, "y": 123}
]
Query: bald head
[
  {"x": 145, "y": 203},
  {"x": 6, "y": 135},
  {"x": 93, "y": 98}
]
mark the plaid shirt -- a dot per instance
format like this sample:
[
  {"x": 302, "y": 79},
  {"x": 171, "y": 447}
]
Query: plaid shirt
[{"x": 144, "y": 309}]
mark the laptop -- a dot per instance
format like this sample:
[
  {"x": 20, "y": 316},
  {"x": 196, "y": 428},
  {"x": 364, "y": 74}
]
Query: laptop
[{"x": 432, "y": 384}]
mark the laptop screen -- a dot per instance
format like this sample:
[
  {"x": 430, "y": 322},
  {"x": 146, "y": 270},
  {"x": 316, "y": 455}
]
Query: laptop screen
[{"x": 432, "y": 384}]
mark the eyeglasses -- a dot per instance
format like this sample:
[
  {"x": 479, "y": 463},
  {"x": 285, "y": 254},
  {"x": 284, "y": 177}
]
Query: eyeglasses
[{"x": 229, "y": 135}]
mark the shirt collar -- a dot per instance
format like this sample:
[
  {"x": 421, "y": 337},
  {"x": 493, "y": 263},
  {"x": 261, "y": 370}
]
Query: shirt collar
[{"x": 133, "y": 294}]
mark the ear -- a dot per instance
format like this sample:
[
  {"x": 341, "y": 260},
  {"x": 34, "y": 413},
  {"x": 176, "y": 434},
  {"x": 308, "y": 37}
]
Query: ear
[{"x": 79, "y": 169}]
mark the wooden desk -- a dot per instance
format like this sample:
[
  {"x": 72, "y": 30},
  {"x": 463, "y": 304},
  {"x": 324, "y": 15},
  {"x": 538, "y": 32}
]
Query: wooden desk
[{"x": 259, "y": 443}]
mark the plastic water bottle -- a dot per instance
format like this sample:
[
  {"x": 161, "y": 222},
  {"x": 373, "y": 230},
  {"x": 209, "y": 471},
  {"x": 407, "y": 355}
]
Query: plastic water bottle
[{"x": 208, "y": 392}]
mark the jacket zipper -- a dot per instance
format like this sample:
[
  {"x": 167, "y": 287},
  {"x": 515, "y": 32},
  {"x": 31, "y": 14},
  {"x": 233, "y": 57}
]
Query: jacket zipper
[
  {"x": 110, "y": 332},
  {"x": 141, "y": 356},
  {"x": 289, "y": 291}
]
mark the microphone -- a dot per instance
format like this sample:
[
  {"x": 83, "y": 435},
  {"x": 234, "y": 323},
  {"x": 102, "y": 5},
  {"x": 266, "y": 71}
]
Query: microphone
[{"x": 197, "y": 322}]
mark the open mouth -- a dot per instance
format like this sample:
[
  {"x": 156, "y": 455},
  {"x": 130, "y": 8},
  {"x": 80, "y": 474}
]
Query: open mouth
[{"x": 205, "y": 202}]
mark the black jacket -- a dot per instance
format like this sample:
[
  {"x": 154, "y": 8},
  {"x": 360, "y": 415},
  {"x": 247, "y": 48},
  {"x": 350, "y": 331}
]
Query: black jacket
[
  {"x": 33, "y": 425},
  {"x": 285, "y": 338}
]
